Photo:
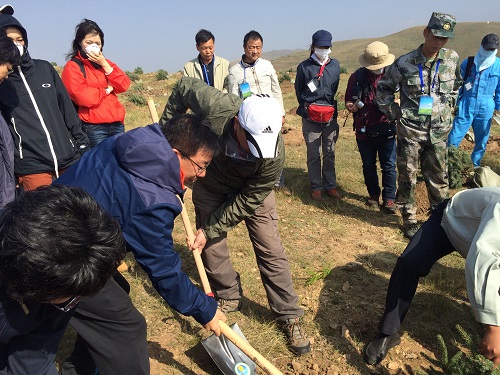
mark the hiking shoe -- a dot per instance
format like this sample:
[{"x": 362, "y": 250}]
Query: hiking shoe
[
  {"x": 377, "y": 350},
  {"x": 389, "y": 207},
  {"x": 297, "y": 340},
  {"x": 410, "y": 229},
  {"x": 372, "y": 201},
  {"x": 229, "y": 305},
  {"x": 316, "y": 195},
  {"x": 333, "y": 193},
  {"x": 284, "y": 190}
]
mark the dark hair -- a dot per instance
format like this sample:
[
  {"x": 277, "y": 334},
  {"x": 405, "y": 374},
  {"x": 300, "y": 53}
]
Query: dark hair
[
  {"x": 252, "y": 35},
  {"x": 203, "y": 36},
  {"x": 81, "y": 30},
  {"x": 190, "y": 134},
  {"x": 57, "y": 242},
  {"x": 9, "y": 53}
]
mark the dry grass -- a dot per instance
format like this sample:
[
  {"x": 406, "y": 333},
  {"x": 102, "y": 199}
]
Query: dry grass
[{"x": 315, "y": 235}]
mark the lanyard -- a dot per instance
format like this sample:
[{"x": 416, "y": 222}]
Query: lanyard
[
  {"x": 422, "y": 86},
  {"x": 320, "y": 74},
  {"x": 245, "y": 69},
  {"x": 205, "y": 73}
]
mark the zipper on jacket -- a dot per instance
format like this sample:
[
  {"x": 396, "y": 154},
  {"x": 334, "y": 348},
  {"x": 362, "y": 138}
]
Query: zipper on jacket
[
  {"x": 49, "y": 139},
  {"x": 20, "y": 146}
]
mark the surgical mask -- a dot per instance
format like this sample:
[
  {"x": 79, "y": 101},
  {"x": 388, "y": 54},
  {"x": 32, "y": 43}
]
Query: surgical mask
[
  {"x": 21, "y": 48},
  {"x": 484, "y": 59},
  {"x": 322, "y": 53},
  {"x": 377, "y": 71}
]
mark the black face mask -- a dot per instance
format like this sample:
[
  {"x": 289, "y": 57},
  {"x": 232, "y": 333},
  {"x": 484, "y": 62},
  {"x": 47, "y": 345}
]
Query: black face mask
[{"x": 85, "y": 56}]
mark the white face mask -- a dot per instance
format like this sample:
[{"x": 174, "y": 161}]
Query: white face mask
[
  {"x": 92, "y": 48},
  {"x": 377, "y": 71},
  {"x": 322, "y": 53},
  {"x": 21, "y": 48}
]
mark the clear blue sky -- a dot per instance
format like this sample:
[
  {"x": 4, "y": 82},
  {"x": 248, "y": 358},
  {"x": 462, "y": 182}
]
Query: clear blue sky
[{"x": 159, "y": 34}]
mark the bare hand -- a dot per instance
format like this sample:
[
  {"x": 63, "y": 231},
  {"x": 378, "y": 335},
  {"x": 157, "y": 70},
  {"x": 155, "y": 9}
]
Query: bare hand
[
  {"x": 351, "y": 107},
  {"x": 213, "y": 325},
  {"x": 97, "y": 58},
  {"x": 490, "y": 344},
  {"x": 199, "y": 241}
]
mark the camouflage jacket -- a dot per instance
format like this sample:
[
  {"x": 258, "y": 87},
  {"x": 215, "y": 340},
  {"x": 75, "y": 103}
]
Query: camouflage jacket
[{"x": 403, "y": 75}]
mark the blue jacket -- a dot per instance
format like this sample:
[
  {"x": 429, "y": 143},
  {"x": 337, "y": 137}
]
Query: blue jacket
[
  {"x": 28, "y": 342},
  {"x": 484, "y": 87},
  {"x": 134, "y": 176}
]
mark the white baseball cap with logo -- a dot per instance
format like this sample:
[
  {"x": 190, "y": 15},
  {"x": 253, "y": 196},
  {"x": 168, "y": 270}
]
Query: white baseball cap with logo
[{"x": 261, "y": 117}]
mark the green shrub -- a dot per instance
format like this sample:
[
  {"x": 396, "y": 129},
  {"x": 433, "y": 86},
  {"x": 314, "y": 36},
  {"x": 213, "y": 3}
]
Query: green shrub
[
  {"x": 137, "y": 99},
  {"x": 53, "y": 63},
  {"x": 138, "y": 70},
  {"x": 343, "y": 70},
  {"x": 133, "y": 76},
  {"x": 470, "y": 363},
  {"x": 285, "y": 77},
  {"x": 459, "y": 166},
  {"x": 161, "y": 75},
  {"x": 138, "y": 87}
]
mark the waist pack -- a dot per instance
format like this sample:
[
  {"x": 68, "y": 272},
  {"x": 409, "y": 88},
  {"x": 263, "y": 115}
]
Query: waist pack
[
  {"x": 318, "y": 112},
  {"x": 382, "y": 129}
]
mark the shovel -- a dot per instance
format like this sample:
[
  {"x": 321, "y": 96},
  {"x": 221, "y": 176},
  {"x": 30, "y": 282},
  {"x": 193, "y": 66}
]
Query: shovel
[{"x": 231, "y": 352}]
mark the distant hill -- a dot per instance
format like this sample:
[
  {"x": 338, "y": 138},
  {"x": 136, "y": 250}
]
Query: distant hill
[{"x": 467, "y": 39}]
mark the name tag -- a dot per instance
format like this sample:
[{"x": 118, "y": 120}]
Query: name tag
[
  {"x": 312, "y": 85},
  {"x": 245, "y": 90},
  {"x": 425, "y": 105}
]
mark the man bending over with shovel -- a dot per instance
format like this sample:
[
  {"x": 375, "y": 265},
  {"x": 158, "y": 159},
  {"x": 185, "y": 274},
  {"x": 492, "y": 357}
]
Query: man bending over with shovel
[
  {"x": 135, "y": 177},
  {"x": 238, "y": 185}
]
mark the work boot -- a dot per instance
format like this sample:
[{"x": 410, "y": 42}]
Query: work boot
[
  {"x": 372, "y": 201},
  {"x": 316, "y": 195},
  {"x": 297, "y": 339},
  {"x": 333, "y": 193},
  {"x": 410, "y": 229},
  {"x": 389, "y": 207},
  {"x": 229, "y": 305}
]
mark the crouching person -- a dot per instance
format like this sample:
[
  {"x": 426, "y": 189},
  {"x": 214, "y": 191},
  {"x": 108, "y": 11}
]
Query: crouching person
[{"x": 56, "y": 246}]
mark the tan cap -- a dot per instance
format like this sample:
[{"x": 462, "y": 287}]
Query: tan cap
[{"x": 376, "y": 56}]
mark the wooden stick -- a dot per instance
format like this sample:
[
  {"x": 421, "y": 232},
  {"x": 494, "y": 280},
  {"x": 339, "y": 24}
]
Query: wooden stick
[
  {"x": 245, "y": 347},
  {"x": 152, "y": 110}
]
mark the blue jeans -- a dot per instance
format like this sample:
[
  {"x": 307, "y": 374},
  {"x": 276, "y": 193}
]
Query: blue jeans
[
  {"x": 385, "y": 148},
  {"x": 99, "y": 132}
]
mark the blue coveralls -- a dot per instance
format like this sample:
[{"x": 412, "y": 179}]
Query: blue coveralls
[{"x": 479, "y": 96}]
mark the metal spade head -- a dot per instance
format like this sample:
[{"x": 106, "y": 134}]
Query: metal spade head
[{"x": 227, "y": 356}]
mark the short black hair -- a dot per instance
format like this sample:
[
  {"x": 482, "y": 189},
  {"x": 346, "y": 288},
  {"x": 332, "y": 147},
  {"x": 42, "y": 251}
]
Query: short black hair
[
  {"x": 203, "y": 36},
  {"x": 56, "y": 242},
  {"x": 252, "y": 35},
  {"x": 190, "y": 133},
  {"x": 9, "y": 53}
]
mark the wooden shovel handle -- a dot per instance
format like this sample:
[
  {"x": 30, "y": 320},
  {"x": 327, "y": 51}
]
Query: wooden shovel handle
[
  {"x": 152, "y": 110},
  {"x": 245, "y": 347}
]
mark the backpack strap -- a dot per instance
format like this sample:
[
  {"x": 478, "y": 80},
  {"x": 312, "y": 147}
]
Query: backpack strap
[
  {"x": 362, "y": 83},
  {"x": 468, "y": 68},
  {"x": 80, "y": 64}
]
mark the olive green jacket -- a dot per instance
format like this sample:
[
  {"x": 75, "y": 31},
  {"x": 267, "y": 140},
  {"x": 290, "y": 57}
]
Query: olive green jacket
[{"x": 245, "y": 180}]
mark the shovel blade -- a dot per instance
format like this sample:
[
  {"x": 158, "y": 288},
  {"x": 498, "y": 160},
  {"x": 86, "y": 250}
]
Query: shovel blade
[{"x": 227, "y": 356}]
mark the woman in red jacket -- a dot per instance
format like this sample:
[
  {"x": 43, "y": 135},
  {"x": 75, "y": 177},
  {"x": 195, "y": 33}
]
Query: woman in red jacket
[{"x": 93, "y": 83}]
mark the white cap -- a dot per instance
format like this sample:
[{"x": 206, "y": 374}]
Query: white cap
[{"x": 261, "y": 116}]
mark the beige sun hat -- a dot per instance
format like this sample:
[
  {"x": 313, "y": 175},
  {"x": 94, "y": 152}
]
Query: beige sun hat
[{"x": 376, "y": 56}]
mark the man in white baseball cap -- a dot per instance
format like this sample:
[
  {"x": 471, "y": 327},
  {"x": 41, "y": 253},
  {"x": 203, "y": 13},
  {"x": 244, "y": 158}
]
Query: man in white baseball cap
[{"x": 238, "y": 186}]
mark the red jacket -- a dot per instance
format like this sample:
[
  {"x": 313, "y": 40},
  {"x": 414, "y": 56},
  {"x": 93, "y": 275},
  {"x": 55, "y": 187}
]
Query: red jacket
[{"x": 89, "y": 93}]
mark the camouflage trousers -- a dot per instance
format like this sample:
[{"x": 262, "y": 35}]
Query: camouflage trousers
[{"x": 433, "y": 165}]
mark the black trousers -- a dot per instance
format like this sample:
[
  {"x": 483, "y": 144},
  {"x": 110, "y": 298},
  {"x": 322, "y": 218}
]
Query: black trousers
[
  {"x": 111, "y": 334},
  {"x": 428, "y": 245}
]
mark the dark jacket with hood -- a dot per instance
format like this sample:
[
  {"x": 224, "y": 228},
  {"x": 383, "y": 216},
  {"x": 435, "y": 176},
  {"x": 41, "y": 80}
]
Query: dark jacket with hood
[
  {"x": 134, "y": 176},
  {"x": 47, "y": 132}
]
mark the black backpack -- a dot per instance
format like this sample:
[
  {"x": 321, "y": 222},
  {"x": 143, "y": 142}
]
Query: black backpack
[
  {"x": 82, "y": 69},
  {"x": 468, "y": 68}
]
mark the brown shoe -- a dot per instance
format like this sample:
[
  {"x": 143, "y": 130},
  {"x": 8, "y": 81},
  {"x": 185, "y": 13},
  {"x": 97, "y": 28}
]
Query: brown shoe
[
  {"x": 316, "y": 195},
  {"x": 389, "y": 207},
  {"x": 297, "y": 339},
  {"x": 333, "y": 193},
  {"x": 372, "y": 201}
]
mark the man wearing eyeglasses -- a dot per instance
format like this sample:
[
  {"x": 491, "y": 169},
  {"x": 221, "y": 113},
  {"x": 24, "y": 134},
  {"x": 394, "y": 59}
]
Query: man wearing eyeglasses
[
  {"x": 57, "y": 245},
  {"x": 135, "y": 177},
  {"x": 238, "y": 186}
]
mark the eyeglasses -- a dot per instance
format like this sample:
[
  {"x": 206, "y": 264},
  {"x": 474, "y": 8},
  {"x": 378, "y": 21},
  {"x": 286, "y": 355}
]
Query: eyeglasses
[
  {"x": 69, "y": 305},
  {"x": 200, "y": 169},
  {"x": 10, "y": 71}
]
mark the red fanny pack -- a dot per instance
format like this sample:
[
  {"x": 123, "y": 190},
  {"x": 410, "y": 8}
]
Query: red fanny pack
[{"x": 318, "y": 112}]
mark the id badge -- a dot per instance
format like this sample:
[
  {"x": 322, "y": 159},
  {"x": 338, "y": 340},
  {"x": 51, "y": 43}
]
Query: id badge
[
  {"x": 312, "y": 85},
  {"x": 468, "y": 86},
  {"x": 245, "y": 90},
  {"x": 425, "y": 106}
]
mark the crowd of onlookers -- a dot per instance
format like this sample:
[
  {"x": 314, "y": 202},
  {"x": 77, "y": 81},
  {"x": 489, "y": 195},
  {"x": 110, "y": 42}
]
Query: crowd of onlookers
[{"x": 112, "y": 190}]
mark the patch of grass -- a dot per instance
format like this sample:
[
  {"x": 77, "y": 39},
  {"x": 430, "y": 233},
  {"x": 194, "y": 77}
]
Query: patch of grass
[{"x": 318, "y": 275}]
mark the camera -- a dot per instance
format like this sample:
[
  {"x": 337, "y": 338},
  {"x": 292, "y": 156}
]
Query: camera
[{"x": 358, "y": 103}]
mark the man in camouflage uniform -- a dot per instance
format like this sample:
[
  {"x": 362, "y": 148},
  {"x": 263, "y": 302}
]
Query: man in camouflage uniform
[{"x": 428, "y": 79}]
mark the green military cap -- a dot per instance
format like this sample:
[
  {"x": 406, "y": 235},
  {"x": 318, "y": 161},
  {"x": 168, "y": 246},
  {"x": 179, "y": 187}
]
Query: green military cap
[{"x": 442, "y": 24}]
